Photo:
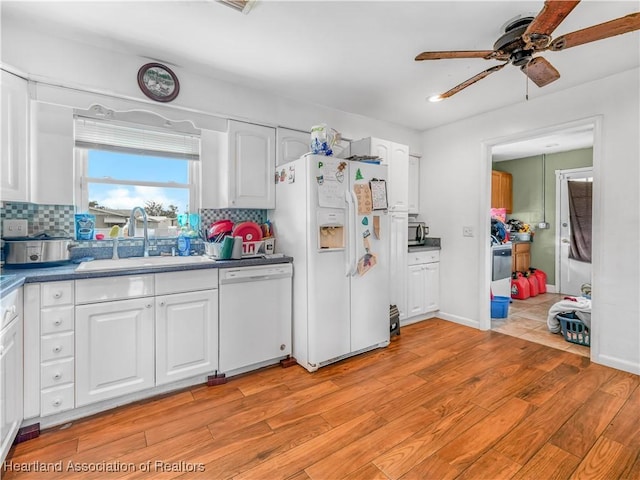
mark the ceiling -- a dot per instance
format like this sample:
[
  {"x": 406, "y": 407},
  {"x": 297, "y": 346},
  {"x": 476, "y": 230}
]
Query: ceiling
[{"x": 355, "y": 56}]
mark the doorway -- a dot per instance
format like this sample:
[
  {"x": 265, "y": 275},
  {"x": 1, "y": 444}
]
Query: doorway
[
  {"x": 573, "y": 268},
  {"x": 529, "y": 319}
]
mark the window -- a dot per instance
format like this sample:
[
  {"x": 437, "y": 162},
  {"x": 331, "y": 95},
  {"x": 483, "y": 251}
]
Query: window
[{"x": 121, "y": 166}]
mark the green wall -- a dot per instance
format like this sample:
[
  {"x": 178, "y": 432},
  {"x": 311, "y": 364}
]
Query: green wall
[{"x": 528, "y": 204}]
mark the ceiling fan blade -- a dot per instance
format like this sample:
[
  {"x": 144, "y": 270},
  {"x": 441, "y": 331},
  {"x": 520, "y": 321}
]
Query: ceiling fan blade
[
  {"x": 471, "y": 81},
  {"x": 487, "y": 54},
  {"x": 626, "y": 24},
  {"x": 551, "y": 15},
  {"x": 540, "y": 71}
]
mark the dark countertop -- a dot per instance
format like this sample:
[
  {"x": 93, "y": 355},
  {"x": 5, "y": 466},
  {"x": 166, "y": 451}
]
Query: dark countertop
[
  {"x": 430, "y": 243},
  {"x": 12, "y": 278}
]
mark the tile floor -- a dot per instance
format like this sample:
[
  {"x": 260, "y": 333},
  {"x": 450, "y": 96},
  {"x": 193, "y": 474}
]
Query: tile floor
[{"x": 527, "y": 319}]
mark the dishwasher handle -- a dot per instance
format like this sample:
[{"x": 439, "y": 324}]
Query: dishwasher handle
[{"x": 243, "y": 275}]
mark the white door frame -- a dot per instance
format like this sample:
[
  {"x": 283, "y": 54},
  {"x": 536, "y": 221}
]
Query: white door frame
[
  {"x": 484, "y": 248},
  {"x": 578, "y": 173}
]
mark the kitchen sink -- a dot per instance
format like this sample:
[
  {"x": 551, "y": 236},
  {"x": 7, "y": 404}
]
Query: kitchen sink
[{"x": 140, "y": 262}]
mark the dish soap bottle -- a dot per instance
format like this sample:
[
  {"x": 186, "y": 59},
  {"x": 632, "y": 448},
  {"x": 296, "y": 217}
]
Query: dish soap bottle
[{"x": 184, "y": 244}]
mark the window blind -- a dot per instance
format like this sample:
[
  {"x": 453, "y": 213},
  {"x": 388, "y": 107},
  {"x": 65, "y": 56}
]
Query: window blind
[{"x": 123, "y": 137}]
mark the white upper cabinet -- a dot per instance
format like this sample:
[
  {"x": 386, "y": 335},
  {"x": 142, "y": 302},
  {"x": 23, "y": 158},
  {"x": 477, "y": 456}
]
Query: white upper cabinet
[
  {"x": 52, "y": 152},
  {"x": 414, "y": 184},
  {"x": 291, "y": 145},
  {"x": 397, "y": 157},
  {"x": 14, "y": 148},
  {"x": 238, "y": 168}
]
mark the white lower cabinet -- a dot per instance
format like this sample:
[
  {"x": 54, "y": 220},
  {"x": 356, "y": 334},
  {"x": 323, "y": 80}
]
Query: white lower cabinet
[
  {"x": 114, "y": 349},
  {"x": 423, "y": 278},
  {"x": 11, "y": 370},
  {"x": 186, "y": 335}
]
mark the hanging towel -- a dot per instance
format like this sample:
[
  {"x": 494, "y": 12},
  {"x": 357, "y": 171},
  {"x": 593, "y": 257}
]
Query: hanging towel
[{"x": 582, "y": 307}]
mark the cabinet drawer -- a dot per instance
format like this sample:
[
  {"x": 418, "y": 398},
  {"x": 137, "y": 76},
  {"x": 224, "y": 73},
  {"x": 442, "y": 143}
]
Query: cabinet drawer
[
  {"x": 56, "y": 319},
  {"x": 56, "y": 400},
  {"x": 186, "y": 281},
  {"x": 56, "y": 373},
  {"x": 54, "y": 347},
  {"x": 428, "y": 256},
  {"x": 57, "y": 293},
  {"x": 105, "y": 289}
]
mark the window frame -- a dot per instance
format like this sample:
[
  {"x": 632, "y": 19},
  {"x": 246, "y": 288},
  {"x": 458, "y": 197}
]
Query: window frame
[{"x": 81, "y": 193}]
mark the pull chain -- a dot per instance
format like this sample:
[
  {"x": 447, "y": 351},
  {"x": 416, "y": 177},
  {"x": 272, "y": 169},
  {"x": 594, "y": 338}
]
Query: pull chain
[{"x": 526, "y": 88}]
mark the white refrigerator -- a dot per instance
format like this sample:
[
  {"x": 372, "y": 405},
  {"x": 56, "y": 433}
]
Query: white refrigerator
[{"x": 331, "y": 217}]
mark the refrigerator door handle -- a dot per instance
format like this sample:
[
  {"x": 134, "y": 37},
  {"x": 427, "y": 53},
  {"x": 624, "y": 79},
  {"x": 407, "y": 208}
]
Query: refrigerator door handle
[
  {"x": 352, "y": 241},
  {"x": 350, "y": 209}
]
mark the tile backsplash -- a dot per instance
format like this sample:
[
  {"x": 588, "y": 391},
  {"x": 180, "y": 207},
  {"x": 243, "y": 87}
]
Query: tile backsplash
[
  {"x": 60, "y": 218},
  {"x": 40, "y": 218}
]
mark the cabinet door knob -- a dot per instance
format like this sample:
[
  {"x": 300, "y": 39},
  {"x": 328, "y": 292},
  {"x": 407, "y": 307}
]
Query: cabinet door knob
[
  {"x": 57, "y": 295},
  {"x": 148, "y": 305},
  {"x": 57, "y": 349},
  {"x": 283, "y": 346},
  {"x": 162, "y": 303},
  {"x": 57, "y": 376},
  {"x": 57, "y": 402},
  {"x": 57, "y": 323}
]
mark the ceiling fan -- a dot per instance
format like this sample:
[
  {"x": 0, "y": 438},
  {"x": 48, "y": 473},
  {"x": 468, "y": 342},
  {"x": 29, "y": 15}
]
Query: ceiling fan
[{"x": 526, "y": 36}]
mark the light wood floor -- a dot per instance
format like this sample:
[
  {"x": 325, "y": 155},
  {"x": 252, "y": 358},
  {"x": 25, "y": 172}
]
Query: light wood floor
[
  {"x": 443, "y": 401},
  {"x": 527, "y": 319}
]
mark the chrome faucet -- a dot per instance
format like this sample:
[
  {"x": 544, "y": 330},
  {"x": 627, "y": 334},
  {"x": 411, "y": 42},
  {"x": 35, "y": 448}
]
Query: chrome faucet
[{"x": 132, "y": 228}]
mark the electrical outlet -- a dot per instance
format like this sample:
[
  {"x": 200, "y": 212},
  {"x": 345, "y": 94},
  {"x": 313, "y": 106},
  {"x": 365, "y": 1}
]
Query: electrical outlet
[
  {"x": 467, "y": 231},
  {"x": 14, "y": 228},
  {"x": 543, "y": 225}
]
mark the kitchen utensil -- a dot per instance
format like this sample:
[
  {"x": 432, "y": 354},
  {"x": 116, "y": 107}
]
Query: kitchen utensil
[{"x": 249, "y": 231}]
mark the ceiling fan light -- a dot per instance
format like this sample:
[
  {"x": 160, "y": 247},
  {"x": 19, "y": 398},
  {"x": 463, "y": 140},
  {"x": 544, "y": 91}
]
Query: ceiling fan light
[{"x": 435, "y": 98}]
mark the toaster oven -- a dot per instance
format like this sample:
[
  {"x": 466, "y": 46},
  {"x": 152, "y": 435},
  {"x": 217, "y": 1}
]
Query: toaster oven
[{"x": 418, "y": 232}]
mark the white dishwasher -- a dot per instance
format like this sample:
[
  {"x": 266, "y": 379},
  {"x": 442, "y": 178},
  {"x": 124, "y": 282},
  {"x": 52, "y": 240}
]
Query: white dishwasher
[{"x": 255, "y": 316}]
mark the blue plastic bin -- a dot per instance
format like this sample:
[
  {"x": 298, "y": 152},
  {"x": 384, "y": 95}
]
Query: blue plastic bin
[{"x": 500, "y": 307}]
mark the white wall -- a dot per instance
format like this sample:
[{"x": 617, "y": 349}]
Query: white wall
[
  {"x": 455, "y": 192},
  {"x": 63, "y": 62}
]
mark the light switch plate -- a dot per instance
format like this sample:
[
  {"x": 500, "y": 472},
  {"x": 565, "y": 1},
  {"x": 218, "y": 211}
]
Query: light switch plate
[
  {"x": 14, "y": 228},
  {"x": 467, "y": 231}
]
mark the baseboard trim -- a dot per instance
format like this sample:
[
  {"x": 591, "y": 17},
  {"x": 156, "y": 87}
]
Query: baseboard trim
[
  {"x": 618, "y": 364},
  {"x": 467, "y": 322}
]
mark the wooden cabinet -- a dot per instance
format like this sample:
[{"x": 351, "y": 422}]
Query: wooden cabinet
[
  {"x": 186, "y": 335},
  {"x": 397, "y": 157},
  {"x": 14, "y": 144},
  {"x": 414, "y": 184},
  {"x": 114, "y": 349},
  {"x": 521, "y": 256},
  {"x": 501, "y": 190},
  {"x": 11, "y": 372},
  {"x": 291, "y": 145},
  {"x": 423, "y": 282},
  {"x": 398, "y": 261}
]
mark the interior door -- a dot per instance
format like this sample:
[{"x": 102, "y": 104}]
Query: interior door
[{"x": 572, "y": 273}]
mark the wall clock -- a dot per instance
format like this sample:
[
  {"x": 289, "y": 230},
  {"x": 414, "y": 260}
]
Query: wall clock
[{"x": 158, "y": 82}]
